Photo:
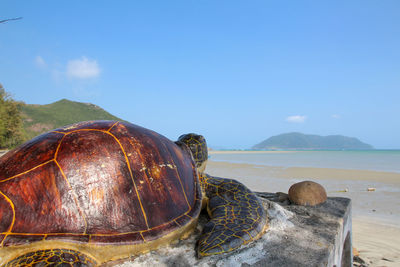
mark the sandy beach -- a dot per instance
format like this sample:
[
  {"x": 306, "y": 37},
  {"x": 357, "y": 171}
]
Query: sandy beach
[
  {"x": 376, "y": 214},
  {"x": 376, "y": 231}
]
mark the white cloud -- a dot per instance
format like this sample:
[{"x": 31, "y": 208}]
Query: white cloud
[
  {"x": 335, "y": 116},
  {"x": 296, "y": 119},
  {"x": 83, "y": 68},
  {"x": 39, "y": 61}
]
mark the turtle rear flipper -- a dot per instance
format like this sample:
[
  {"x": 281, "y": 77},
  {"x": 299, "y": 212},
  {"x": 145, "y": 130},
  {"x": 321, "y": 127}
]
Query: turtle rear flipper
[
  {"x": 52, "y": 257},
  {"x": 237, "y": 216}
]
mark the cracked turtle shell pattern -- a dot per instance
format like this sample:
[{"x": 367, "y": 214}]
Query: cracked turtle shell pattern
[{"x": 100, "y": 182}]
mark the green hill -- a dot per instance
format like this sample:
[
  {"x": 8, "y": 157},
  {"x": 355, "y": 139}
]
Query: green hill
[
  {"x": 299, "y": 141},
  {"x": 38, "y": 119}
]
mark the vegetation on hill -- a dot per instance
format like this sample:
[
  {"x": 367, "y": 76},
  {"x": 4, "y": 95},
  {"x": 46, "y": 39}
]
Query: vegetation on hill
[
  {"x": 20, "y": 122},
  {"x": 42, "y": 118},
  {"x": 11, "y": 130},
  {"x": 304, "y": 142}
]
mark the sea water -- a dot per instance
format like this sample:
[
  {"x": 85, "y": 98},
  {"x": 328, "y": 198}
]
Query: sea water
[{"x": 375, "y": 160}]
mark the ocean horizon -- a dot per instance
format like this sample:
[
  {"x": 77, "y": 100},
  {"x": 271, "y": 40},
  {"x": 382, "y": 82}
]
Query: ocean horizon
[{"x": 386, "y": 160}]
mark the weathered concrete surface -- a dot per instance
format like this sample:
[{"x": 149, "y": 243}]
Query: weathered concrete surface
[
  {"x": 298, "y": 236},
  {"x": 317, "y": 238}
]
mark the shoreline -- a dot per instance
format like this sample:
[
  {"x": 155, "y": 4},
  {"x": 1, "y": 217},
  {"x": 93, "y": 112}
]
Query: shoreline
[
  {"x": 211, "y": 152},
  {"x": 314, "y": 172},
  {"x": 366, "y": 160},
  {"x": 382, "y": 203},
  {"x": 375, "y": 214}
]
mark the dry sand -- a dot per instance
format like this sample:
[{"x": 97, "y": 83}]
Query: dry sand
[{"x": 376, "y": 214}]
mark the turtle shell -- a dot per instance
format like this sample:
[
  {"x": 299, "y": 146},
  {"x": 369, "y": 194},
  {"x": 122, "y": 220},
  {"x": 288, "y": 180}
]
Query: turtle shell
[{"x": 99, "y": 182}]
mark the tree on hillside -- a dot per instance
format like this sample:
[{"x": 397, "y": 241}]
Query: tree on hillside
[{"x": 11, "y": 131}]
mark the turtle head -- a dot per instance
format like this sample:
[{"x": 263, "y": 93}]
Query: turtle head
[{"x": 198, "y": 146}]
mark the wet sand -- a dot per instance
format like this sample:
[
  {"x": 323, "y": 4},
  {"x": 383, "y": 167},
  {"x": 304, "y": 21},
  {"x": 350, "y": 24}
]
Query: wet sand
[
  {"x": 249, "y": 151},
  {"x": 376, "y": 214}
]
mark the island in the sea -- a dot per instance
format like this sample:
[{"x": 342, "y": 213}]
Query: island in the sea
[{"x": 299, "y": 141}]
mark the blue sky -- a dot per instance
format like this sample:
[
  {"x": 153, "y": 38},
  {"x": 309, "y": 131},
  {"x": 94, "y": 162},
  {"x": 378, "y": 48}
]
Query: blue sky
[{"x": 237, "y": 72}]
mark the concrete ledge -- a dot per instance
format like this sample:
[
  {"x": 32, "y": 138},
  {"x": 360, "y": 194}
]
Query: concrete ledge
[
  {"x": 298, "y": 236},
  {"x": 320, "y": 236}
]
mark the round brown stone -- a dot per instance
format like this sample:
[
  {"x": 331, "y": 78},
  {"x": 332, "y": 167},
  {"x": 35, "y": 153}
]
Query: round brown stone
[{"x": 307, "y": 193}]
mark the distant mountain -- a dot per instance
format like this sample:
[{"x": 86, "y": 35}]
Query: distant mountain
[
  {"x": 38, "y": 119},
  {"x": 299, "y": 141}
]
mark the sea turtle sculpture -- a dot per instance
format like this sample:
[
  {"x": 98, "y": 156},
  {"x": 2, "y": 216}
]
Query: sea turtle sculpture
[{"x": 100, "y": 191}]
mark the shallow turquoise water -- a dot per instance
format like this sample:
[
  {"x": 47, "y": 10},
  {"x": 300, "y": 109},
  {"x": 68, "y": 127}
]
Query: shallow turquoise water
[{"x": 377, "y": 160}]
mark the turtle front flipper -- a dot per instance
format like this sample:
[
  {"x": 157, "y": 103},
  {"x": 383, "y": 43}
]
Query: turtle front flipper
[
  {"x": 237, "y": 216},
  {"x": 52, "y": 257}
]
